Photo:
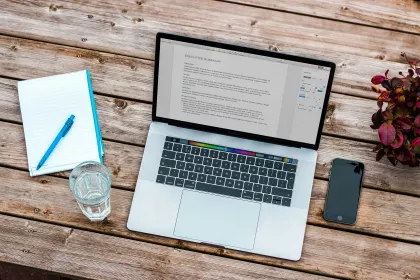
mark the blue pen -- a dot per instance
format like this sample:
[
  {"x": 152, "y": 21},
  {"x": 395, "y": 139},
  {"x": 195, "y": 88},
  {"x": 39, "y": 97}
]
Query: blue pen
[{"x": 57, "y": 139}]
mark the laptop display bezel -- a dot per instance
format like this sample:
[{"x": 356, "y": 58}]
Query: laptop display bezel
[{"x": 238, "y": 48}]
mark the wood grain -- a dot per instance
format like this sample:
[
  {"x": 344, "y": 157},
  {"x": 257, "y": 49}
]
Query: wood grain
[
  {"x": 381, "y": 213},
  {"x": 400, "y": 15},
  {"x": 359, "y": 52},
  {"x": 326, "y": 251},
  {"x": 97, "y": 256}
]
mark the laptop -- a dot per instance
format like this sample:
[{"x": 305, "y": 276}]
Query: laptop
[{"x": 231, "y": 153}]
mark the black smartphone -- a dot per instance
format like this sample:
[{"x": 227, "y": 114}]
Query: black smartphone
[{"x": 342, "y": 201}]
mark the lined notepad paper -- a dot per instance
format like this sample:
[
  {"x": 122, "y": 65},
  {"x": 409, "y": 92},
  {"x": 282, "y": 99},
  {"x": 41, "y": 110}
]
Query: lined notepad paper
[{"x": 46, "y": 104}]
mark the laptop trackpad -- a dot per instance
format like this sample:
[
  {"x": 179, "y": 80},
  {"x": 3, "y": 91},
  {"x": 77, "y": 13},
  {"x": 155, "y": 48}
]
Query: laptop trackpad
[{"x": 218, "y": 220}]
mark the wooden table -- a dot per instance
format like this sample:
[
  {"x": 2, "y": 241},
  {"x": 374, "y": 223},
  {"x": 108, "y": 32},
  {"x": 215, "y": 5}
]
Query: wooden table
[{"x": 40, "y": 223}]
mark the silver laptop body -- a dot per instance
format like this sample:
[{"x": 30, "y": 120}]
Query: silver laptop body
[{"x": 205, "y": 175}]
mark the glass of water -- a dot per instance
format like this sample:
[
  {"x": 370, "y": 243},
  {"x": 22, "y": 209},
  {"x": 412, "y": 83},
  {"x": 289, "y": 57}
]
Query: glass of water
[{"x": 90, "y": 182}]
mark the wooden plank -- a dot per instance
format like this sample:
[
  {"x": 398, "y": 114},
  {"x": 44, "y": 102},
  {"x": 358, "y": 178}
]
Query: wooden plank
[
  {"x": 97, "y": 256},
  {"x": 360, "y": 52},
  {"x": 402, "y": 15},
  {"x": 326, "y": 251}
]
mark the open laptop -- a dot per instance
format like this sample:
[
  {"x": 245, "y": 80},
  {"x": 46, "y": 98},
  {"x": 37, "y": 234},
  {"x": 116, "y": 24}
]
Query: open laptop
[{"x": 230, "y": 155}]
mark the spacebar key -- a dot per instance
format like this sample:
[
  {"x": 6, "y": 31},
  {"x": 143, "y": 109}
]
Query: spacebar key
[{"x": 218, "y": 189}]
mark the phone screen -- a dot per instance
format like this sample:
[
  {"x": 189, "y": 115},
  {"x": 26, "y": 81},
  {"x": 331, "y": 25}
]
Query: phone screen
[{"x": 342, "y": 200}]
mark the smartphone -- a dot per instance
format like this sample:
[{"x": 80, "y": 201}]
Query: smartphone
[{"x": 342, "y": 201}]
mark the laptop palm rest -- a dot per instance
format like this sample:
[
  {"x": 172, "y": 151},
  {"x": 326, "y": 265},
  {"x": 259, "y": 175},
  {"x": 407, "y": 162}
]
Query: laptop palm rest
[{"x": 217, "y": 220}]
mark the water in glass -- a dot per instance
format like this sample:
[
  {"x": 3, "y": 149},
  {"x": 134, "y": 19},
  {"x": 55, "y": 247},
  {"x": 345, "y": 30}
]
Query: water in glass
[{"x": 90, "y": 183}]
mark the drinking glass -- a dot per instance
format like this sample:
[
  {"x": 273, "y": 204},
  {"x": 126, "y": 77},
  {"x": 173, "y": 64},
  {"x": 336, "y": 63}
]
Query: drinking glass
[{"x": 90, "y": 182}]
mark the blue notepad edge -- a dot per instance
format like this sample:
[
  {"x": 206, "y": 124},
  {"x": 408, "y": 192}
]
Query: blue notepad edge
[{"x": 101, "y": 149}]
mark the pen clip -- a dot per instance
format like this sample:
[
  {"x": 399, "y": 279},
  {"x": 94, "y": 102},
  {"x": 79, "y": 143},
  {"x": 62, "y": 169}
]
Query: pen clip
[{"x": 68, "y": 125}]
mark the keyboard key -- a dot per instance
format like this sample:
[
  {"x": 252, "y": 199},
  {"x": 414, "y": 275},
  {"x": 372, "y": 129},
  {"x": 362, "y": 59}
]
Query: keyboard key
[
  {"x": 241, "y": 159},
  {"x": 282, "y": 183},
  {"x": 290, "y": 184},
  {"x": 257, "y": 188},
  {"x": 216, "y": 163},
  {"x": 211, "y": 179},
  {"x": 276, "y": 200},
  {"x": 258, "y": 196},
  {"x": 253, "y": 169},
  {"x": 163, "y": 170},
  {"x": 180, "y": 156},
  {"x": 168, "y": 154},
  {"x": 290, "y": 176},
  {"x": 272, "y": 173},
  {"x": 168, "y": 145},
  {"x": 232, "y": 157},
  {"x": 225, "y": 164},
  {"x": 180, "y": 165},
  {"x": 267, "y": 198},
  {"x": 160, "y": 179},
  {"x": 179, "y": 182},
  {"x": 282, "y": 192},
  {"x": 236, "y": 175},
  {"x": 263, "y": 180},
  {"x": 214, "y": 154},
  {"x": 201, "y": 177},
  {"x": 174, "y": 172},
  {"x": 235, "y": 166},
  {"x": 195, "y": 151},
  {"x": 285, "y": 202},
  {"x": 238, "y": 184},
  {"x": 278, "y": 165},
  {"x": 289, "y": 167},
  {"x": 189, "y": 166},
  {"x": 254, "y": 178},
  {"x": 199, "y": 168},
  {"x": 262, "y": 171},
  {"x": 217, "y": 171},
  {"x": 189, "y": 184},
  {"x": 250, "y": 160},
  {"x": 244, "y": 168},
  {"x": 189, "y": 158},
  {"x": 207, "y": 161},
  {"x": 281, "y": 174},
  {"x": 220, "y": 181},
  {"x": 204, "y": 152},
  {"x": 269, "y": 163},
  {"x": 167, "y": 162},
  {"x": 272, "y": 182},
  {"x": 198, "y": 160},
  {"x": 183, "y": 174},
  {"x": 247, "y": 195},
  {"x": 229, "y": 183},
  {"x": 208, "y": 170},
  {"x": 186, "y": 149},
  {"x": 226, "y": 173},
  {"x": 177, "y": 147},
  {"x": 259, "y": 162},
  {"x": 248, "y": 186},
  {"x": 245, "y": 176},
  {"x": 169, "y": 138},
  {"x": 218, "y": 189},
  {"x": 170, "y": 180},
  {"x": 266, "y": 189},
  {"x": 222, "y": 155},
  {"x": 192, "y": 176}
]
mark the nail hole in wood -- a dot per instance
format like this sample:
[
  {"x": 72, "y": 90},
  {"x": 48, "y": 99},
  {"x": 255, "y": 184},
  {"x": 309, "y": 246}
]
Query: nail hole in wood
[
  {"x": 84, "y": 39},
  {"x": 90, "y": 16}
]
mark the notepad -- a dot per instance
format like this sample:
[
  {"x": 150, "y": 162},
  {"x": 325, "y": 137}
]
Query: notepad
[{"x": 46, "y": 104}]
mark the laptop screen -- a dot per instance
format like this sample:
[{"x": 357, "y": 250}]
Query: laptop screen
[{"x": 240, "y": 91}]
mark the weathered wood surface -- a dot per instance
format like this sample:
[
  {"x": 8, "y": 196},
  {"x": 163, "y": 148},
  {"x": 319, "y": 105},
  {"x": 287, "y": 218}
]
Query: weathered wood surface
[
  {"x": 98, "y": 256},
  {"x": 359, "y": 52},
  {"x": 326, "y": 251},
  {"x": 128, "y": 121},
  {"x": 400, "y": 15}
]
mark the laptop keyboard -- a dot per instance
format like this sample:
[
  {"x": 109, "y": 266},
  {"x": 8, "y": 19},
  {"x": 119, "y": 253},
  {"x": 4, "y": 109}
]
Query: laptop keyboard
[{"x": 227, "y": 171}]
